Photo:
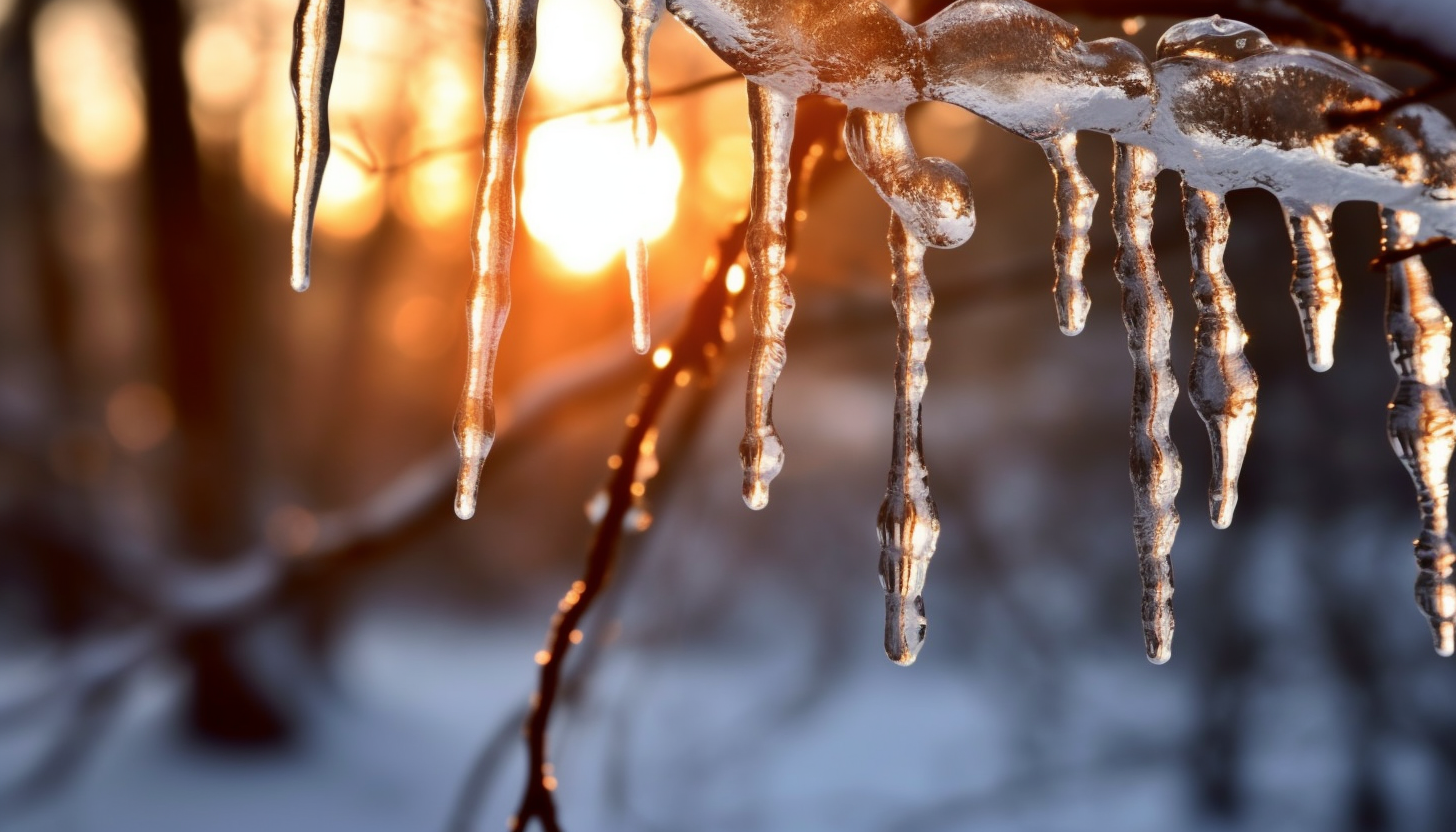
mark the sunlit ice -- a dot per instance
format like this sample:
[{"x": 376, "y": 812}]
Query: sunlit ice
[{"x": 581, "y": 199}]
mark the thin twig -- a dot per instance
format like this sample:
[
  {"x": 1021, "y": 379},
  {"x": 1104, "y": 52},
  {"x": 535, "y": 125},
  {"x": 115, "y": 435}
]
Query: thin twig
[
  {"x": 1398, "y": 255},
  {"x": 700, "y": 338},
  {"x": 367, "y": 162}
]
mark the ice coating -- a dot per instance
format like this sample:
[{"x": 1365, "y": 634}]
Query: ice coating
[
  {"x": 771, "y": 114},
  {"x": 1213, "y": 37},
  {"x": 1221, "y": 382},
  {"x": 639, "y": 19},
  {"x": 908, "y": 526},
  {"x": 1316, "y": 285},
  {"x": 931, "y": 196},
  {"x": 1262, "y": 117},
  {"x": 1148, "y": 314},
  {"x": 1420, "y": 421},
  {"x": 509, "y": 53},
  {"x": 317, "y": 31},
  {"x": 1076, "y": 200}
]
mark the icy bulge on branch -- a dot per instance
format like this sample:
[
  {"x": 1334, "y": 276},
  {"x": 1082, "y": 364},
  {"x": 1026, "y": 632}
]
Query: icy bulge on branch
[{"x": 1221, "y": 105}]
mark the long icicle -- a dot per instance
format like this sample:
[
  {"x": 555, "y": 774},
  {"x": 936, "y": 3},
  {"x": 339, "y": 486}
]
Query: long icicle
[
  {"x": 1221, "y": 383},
  {"x": 1155, "y": 469},
  {"x": 639, "y": 19},
  {"x": 908, "y": 525},
  {"x": 1076, "y": 200},
  {"x": 1420, "y": 422},
  {"x": 1316, "y": 284},
  {"x": 762, "y": 454},
  {"x": 509, "y": 53},
  {"x": 317, "y": 32}
]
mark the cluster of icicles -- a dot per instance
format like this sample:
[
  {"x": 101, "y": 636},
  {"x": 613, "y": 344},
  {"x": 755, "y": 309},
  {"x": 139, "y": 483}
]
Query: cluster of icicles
[{"x": 1220, "y": 104}]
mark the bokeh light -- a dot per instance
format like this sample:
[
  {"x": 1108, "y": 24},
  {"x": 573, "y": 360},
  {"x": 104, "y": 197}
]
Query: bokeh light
[
  {"x": 139, "y": 416},
  {"x": 86, "y": 75},
  {"x": 579, "y": 53},
  {"x": 580, "y": 199}
]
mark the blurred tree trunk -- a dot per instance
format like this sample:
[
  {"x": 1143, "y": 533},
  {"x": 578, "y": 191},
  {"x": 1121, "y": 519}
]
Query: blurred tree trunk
[{"x": 201, "y": 308}]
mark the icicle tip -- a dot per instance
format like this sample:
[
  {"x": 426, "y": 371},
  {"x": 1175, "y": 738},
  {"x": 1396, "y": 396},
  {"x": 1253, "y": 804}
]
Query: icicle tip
[
  {"x": 904, "y": 628},
  {"x": 1444, "y": 634}
]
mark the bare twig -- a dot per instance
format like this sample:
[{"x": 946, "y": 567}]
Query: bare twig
[
  {"x": 691, "y": 351},
  {"x": 367, "y": 162},
  {"x": 1397, "y": 255}
]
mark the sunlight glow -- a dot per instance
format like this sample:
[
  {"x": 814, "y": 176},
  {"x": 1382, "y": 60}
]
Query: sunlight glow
[
  {"x": 579, "y": 53},
  {"x": 437, "y": 191},
  {"x": 352, "y": 200},
  {"x": 220, "y": 64},
  {"x": 579, "y": 198},
  {"x": 86, "y": 74}
]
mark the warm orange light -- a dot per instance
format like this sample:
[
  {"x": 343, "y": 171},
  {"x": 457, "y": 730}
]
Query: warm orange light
[
  {"x": 728, "y": 167},
  {"x": 578, "y": 53},
  {"x": 737, "y": 279},
  {"x": 220, "y": 64},
  {"x": 91, "y": 100},
  {"x": 580, "y": 199},
  {"x": 438, "y": 188},
  {"x": 661, "y": 357},
  {"x": 422, "y": 328},
  {"x": 352, "y": 200}
]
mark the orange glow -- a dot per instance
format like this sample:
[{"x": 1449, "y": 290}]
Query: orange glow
[
  {"x": 91, "y": 99},
  {"x": 139, "y": 416},
  {"x": 220, "y": 64},
  {"x": 737, "y": 279},
  {"x": 579, "y": 53},
  {"x": 422, "y": 329},
  {"x": 438, "y": 189},
  {"x": 580, "y": 199},
  {"x": 352, "y": 200},
  {"x": 661, "y": 357},
  {"x": 728, "y": 167}
]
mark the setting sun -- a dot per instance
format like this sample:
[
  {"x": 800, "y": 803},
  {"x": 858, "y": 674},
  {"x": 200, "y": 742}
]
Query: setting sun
[{"x": 580, "y": 200}]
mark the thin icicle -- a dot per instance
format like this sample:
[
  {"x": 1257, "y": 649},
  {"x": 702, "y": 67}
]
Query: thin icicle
[
  {"x": 317, "y": 31},
  {"x": 509, "y": 53},
  {"x": 639, "y": 19},
  {"x": 762, "y": 454},
  {"x": 1420, "y": 422},
  {"x": 1316, "y": 284},
  {"x": 908, "y": 525},
  {"x": 1076, "y": 200},
  {"x": 1221, "y": 383},
  {"x": 1156, "y": 471}
]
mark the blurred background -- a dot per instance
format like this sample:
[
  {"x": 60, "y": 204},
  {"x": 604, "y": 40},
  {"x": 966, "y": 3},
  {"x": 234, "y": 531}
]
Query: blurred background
[{"x": 233, "y": 594}]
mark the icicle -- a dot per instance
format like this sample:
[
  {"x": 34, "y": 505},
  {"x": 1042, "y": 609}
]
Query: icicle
[
  {"x": 639, "y": 19},
  {"x": 1221, "y": 383},
  {"x": 1420, "y": 423},
  {"x": 1076, "y": 199},
  {"x": 317, "y": 31},
  {"x": 1316, "y": 285},
  {"x": 762, "y": 454},
  {"x": 908, "y": 525},
  {"x": 1156, "y": 471},
  {"x": 509, "y": 53},
  {"x": 931, "y": 196}
]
